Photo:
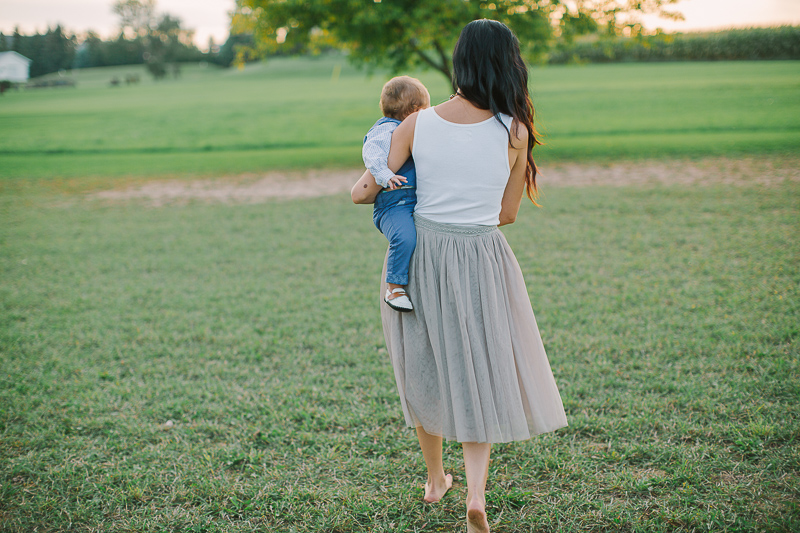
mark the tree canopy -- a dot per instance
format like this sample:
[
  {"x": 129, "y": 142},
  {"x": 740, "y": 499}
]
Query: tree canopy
[
  {"x": 162, "y": 35},
  {"x": 135, "y": 16},
  {"x": 402, "y": 34}
]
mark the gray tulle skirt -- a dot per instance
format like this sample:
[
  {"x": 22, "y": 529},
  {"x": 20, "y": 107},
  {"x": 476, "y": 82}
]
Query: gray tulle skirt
[{"x": 469, "y": 362}]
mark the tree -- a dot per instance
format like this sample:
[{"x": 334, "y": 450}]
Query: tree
[
  {"x": 227, "y": 52},
  {"x": 16, "y": 41},
  {"x": 121, "y": 51},
  {"x": 58, "y": 50},
  {"x": 403, "y": 34},
  {"x": 164, "y": 41},
  {"x": 48, "y": 52},
  {"x": 136, "y": 16}
]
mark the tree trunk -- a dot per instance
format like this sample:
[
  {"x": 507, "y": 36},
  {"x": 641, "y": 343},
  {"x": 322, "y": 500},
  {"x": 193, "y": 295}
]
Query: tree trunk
[
  {"x": 443, "y": 66},
  {"x": 446, "y": 67}
]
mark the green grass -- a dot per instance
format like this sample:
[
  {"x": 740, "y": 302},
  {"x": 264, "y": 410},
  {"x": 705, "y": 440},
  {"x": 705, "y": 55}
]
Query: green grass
[
  {"x": 670, "y": 316},
  {"x": 295, "y": 113}
]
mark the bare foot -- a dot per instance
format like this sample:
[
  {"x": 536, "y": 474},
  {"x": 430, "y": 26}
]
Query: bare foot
[
  {"x": 434, "y": 494},
  {"x": 476, "y": 518}
]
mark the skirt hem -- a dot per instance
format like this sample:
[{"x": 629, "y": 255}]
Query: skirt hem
[{"x": 469, "y": 362}]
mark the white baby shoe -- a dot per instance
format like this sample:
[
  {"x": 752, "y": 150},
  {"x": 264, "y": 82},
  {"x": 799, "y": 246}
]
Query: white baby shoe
[{"x": 398, "y": 303}]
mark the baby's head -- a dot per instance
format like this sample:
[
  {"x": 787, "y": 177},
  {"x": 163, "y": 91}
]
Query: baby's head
[{"x": 402, "y": 96}]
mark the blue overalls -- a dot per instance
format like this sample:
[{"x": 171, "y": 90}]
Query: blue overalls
[{"x": 393, "y": 215}]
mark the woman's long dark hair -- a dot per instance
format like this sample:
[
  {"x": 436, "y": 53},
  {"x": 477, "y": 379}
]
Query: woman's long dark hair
[{"x": 490, "y": 74}]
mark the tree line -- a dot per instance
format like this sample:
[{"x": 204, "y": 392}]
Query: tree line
[
  {"x": 400, "y": 35},
  {"x": 157, "y": 40},
  {"x": 56, "y": 50},
  {"x": 777, "y": 43},
  {"x": 49, "y": 52},
  {"x": 405, "y": 34}
]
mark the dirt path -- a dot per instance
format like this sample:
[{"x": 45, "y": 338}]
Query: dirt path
[{"x": 284, "y": 185}]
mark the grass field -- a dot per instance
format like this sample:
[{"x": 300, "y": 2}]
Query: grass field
[
  {"x": 669, "y": 314},
  {"x": 221, "y": 367},
  {"x": 300, "y": 113}
]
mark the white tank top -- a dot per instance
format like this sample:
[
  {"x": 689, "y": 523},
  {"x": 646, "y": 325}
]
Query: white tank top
[{"x": 462, "y": 169}]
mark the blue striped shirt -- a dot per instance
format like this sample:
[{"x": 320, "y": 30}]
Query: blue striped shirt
[{"x": 375, "y": 151}]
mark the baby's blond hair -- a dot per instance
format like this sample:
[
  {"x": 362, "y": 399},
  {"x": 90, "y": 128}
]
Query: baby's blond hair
[{"x": 403, "y": 95}]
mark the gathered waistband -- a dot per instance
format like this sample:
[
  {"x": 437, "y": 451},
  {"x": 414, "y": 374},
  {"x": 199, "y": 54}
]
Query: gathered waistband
[{"x": 458, "y": 229}]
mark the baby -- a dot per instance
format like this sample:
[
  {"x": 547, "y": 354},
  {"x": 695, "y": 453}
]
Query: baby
[{"x": 393, "y": 213}]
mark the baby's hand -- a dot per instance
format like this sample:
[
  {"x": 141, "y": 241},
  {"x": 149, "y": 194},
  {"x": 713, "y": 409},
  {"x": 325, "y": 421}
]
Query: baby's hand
[{"x": 396, "y": 181}]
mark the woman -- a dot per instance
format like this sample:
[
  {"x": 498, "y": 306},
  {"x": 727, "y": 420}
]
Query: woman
[{"x": 469, "y": 362}]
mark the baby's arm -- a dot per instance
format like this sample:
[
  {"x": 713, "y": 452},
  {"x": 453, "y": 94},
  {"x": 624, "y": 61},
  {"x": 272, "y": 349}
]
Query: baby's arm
[
  {"x": 376, "y": 153},
  {"x": 365, "y": 191}
]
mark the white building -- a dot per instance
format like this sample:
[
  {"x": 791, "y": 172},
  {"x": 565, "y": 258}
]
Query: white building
[{"x": 14, "y": 67}]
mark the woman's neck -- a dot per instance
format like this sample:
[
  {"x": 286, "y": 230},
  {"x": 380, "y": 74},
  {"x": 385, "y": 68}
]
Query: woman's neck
[{"x": 461, "y": 111}]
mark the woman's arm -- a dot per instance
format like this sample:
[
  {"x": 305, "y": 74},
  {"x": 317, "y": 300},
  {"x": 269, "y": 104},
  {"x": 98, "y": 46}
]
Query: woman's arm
[
  {"x": 365, "y": 190},
  {"x": 518, "y": 158},
  {"x": 402, "y": 141}
]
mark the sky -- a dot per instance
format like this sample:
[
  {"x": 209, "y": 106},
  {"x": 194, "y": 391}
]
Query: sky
[
  {"x": 721, "y": 14},
  {"x": 209, "y": 18}
]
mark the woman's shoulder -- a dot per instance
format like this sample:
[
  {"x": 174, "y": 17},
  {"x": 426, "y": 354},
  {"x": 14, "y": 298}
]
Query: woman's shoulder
[
  {"x": 409, "y": 122},
  {"x": 403, "y": 136},
  {"x": 519, "y": 133}
]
